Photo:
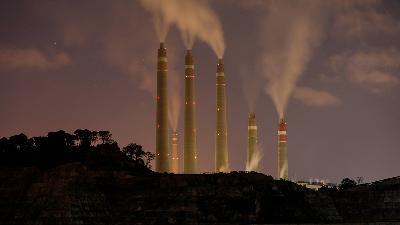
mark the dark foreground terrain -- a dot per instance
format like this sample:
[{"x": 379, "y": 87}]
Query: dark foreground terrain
[{"x": 86, "y": 193}]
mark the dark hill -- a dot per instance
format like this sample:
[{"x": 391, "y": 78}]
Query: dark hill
[{"x": 90, "y": 192}]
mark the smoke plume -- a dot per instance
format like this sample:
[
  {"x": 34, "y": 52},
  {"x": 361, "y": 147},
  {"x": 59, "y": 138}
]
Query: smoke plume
[
  {"x": 293, "y": 32},
  {"x": 194, "y": 19},
  {"x": 255, "y": 160},
  {"x": 162, "y": 21}
]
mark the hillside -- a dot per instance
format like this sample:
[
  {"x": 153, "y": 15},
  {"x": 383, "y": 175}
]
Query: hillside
[{"x": 92, "y": 193}]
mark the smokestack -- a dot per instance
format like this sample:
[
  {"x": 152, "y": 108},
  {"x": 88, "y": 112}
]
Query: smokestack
[
  {"x": 174, "y": 152},
  {"x": 221, "y": 145},
  {"x": 162, "y": 152},
  {"x": 189, "y": 145},
  {"x": 252, "y": 148},
  {"x": 282, "y": 150}
]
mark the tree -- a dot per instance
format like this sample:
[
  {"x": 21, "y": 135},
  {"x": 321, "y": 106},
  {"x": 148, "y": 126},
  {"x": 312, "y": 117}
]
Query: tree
[
  {"x": 60, "y": 140},
  {"x": 359, "y": 180},
  {"x": 40, "y": 143},
  {"x": 105, "y": 137},
  {"x": 135, "y": 152},
  {"x": 4, "y": 145},
  {"x": 94, "y": 137},
  {"x": 347, "y": 183},
  {"x": 149, "y": 157},
  {"x": 85, "y": 138},
  {"x": 19, "y": 142}
]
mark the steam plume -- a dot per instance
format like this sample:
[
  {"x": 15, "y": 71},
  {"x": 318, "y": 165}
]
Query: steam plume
[
  {"x": 194, "y": 19},
  {"x": 294, "y": 30},
  {"x": 253, "y": 165},
  {"x": 162, "y": 21}
]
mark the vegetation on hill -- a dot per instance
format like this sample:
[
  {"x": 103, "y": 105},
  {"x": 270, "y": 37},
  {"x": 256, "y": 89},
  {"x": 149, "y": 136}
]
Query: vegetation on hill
[{"x": 60, "y": 147}]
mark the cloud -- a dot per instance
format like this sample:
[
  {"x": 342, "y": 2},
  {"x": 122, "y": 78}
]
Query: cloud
[
  {"x": 18, "y": 58},
  {"x": 312, "y": 97},
  {"x": 355, "y": 20},
  {"x": 375, "y": 70}
]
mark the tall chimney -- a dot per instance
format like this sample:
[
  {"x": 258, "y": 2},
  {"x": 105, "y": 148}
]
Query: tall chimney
[
  {"x": 252, "y": 148},
  {"x": 282, "y": 150},
  {"x": 174, "y": 152},
  {"x": 189, "y": 143},
  {"x": 221, "y": 143},
  {"x": 162, "y": 152}
]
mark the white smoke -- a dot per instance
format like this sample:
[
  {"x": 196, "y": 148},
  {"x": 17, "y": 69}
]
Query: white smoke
[
  {"x": 194, "y": 19},
  {"x": 253, "y": 165},
  {"x": 284, "y": 171},
  {"x": 293, "y": 31}
]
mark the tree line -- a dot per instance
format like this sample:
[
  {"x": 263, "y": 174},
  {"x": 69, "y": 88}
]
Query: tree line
[{"x": 61, "y": 147}]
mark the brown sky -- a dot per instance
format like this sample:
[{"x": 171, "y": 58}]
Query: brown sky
[{"x": 92, "y": 64}]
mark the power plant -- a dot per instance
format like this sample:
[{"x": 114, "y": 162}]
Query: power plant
[
  {"x": 282, "y": 150},
  {"x": 167, "y": 161},
  {"x": 189, "y": 143},
  {"x": 252, "y": 147},
  {"x": 162, "y": 149},
  {"x": 221, "y": 136},
  {"x": 174, "y": 153}
]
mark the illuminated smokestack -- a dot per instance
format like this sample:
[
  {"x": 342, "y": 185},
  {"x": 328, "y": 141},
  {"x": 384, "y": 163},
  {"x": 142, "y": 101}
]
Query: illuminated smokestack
[
  {"x": 252, "y": 148},
  {"x": 221, "y": 143},
  {"x": 174, "y": 153},
  {"x": 162, "y": 153},
  {"x": 282, "y": 151},
  {"x": 189, "y": 145}
]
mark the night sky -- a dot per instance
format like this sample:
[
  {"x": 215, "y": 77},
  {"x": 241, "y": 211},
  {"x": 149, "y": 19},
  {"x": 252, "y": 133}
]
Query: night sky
[{"x": 92, "y": 64}]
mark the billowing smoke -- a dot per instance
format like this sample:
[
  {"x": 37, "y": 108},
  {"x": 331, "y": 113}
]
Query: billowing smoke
[
  {"x": 194, "y": 19},
  {"x": 293, "y": 31},
  {"x": 253, "y": 165},
  {"x": 162, "y": 21}
]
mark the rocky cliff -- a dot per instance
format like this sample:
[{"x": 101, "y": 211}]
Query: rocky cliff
[{"x": 79, "y": 193}]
